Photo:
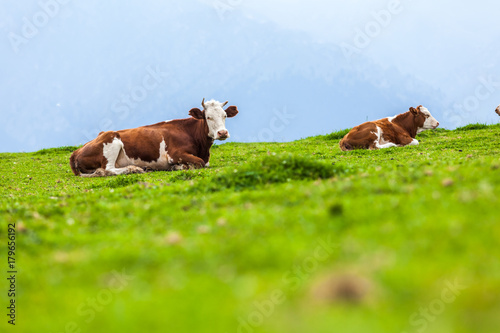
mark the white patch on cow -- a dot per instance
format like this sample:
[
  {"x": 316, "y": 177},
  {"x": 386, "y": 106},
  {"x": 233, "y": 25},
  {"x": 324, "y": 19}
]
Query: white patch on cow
[
  {"x": 386, "y": 145},
  {"x": 390, "y": 119},
  {"x": 164, "y": 161},
  {"x": 167, "y": 121},
  {"x": 216, "y": 120},
  {"x": 207, "y": 165},
  {"x": 414, "y": 143},
  {"x": 379, "y": 141},
  {"x": 430, "y": 122},
  {"x": 111, "y": 151},
  {"x": 170, "y": 159}
]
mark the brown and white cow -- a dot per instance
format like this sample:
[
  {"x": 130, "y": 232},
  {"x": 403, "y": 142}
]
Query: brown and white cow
[
  {"x": 169, "y": 145},
  {"x": 396, "y": 131},
  {"x": 498, "y": 110}
]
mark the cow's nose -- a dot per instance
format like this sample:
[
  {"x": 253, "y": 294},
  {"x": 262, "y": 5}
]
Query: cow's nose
[
  {"x": 223, "y": 134},
  {"x": 437, "y": 124}
]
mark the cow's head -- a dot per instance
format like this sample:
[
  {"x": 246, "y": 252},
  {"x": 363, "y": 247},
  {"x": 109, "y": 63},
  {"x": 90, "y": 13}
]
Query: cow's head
[
  {"x": 423, "y": 119},
  {"x": 215, "y": 117},
  {"x": 498, "y": 110}
]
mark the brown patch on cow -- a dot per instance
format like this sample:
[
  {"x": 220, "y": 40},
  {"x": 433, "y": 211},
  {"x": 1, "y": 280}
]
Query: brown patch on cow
[
  {"x": 342, "y": 288},
  {"x": 360, "y": 137},
  {"x": 498, "y": 110}
]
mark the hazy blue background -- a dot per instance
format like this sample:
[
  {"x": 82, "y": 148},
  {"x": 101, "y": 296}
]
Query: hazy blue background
[{"x": 282, "y": 62}]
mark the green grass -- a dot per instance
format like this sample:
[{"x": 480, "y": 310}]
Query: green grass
[{"x": 274, "y": 237}]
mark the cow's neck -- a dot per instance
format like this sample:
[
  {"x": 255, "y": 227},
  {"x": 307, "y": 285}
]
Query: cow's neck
[
  {"x": 406, "y": 122},
  {"x": 202, "y": 137},
  {"x": 199, "y": 131}
]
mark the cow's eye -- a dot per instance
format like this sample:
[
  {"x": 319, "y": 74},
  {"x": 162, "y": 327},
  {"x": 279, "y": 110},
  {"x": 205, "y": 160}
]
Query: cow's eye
[{"x": 209, "y": 118}]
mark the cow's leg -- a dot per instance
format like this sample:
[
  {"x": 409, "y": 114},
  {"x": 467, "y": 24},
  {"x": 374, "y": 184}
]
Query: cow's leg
[
  {"x": 413, "y": 142},
  {"x": 187, "y": 161},
  {"x": 385, "y": 145},
  {"x": 111, "y": 151}
]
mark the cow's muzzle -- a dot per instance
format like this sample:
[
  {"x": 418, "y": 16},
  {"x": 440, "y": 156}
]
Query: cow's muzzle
[{"x": 222, "y": 135}]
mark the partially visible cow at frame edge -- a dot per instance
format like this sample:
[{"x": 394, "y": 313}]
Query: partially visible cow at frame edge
[
  {"x": 396, "y": 131},
  {"x": 169, "y": 145},
  {"x": 498, "y": 110}
]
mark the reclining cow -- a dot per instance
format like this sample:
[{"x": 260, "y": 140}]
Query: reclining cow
[
  {"x": 396, "y": 131},
  {"x": 171, "y": 145}
]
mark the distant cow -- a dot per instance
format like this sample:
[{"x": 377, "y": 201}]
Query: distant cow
[
  {"x": 498, "y": 110},
  {"x": 396, "y": 131},
  {"x": 169, "y": 145}
]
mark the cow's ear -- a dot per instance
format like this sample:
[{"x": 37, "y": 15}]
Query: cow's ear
[
  {"x": 414, "y": 111},
  {"x": 231, "y": 111},
  {"x": 197, "y": 113}
]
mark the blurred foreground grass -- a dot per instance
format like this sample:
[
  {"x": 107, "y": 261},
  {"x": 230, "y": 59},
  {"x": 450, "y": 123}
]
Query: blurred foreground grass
[{"x": 274, "y": 237}]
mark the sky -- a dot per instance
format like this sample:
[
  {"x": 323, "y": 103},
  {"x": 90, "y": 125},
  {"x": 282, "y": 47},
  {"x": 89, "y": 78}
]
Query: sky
[{"x": 72, "y": 68}]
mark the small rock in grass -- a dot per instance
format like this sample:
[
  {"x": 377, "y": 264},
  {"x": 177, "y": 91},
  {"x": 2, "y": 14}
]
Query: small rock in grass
[
  {"x": 203, "y": 229},
  {"x": 221, "y": 222},
  {"x": 447, "y": 182},
  {"x": 173, "y": 238},
  {"x": 343, "y": 288},
  {"x": 21, "y": 227}
]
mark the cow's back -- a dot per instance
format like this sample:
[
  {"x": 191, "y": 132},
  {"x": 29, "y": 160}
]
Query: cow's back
[{"x": 361, "y": 136}]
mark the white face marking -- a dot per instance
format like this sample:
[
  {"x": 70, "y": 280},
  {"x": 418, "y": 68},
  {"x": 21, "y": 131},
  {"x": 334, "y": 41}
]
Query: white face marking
[
  {"x": 216, "y": 120},
  {"x": 430, "y": 122}
]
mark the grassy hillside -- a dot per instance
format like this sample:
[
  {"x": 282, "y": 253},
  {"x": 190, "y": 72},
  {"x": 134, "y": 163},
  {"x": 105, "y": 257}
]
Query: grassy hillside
[{"x": 274, "y": 237}]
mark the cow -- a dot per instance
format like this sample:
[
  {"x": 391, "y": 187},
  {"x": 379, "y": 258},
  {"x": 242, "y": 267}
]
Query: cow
[
  {"x": 396, "y": 131},
  {"x": 498, "y": 110},
  {"x": 170, "y": 145}
]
